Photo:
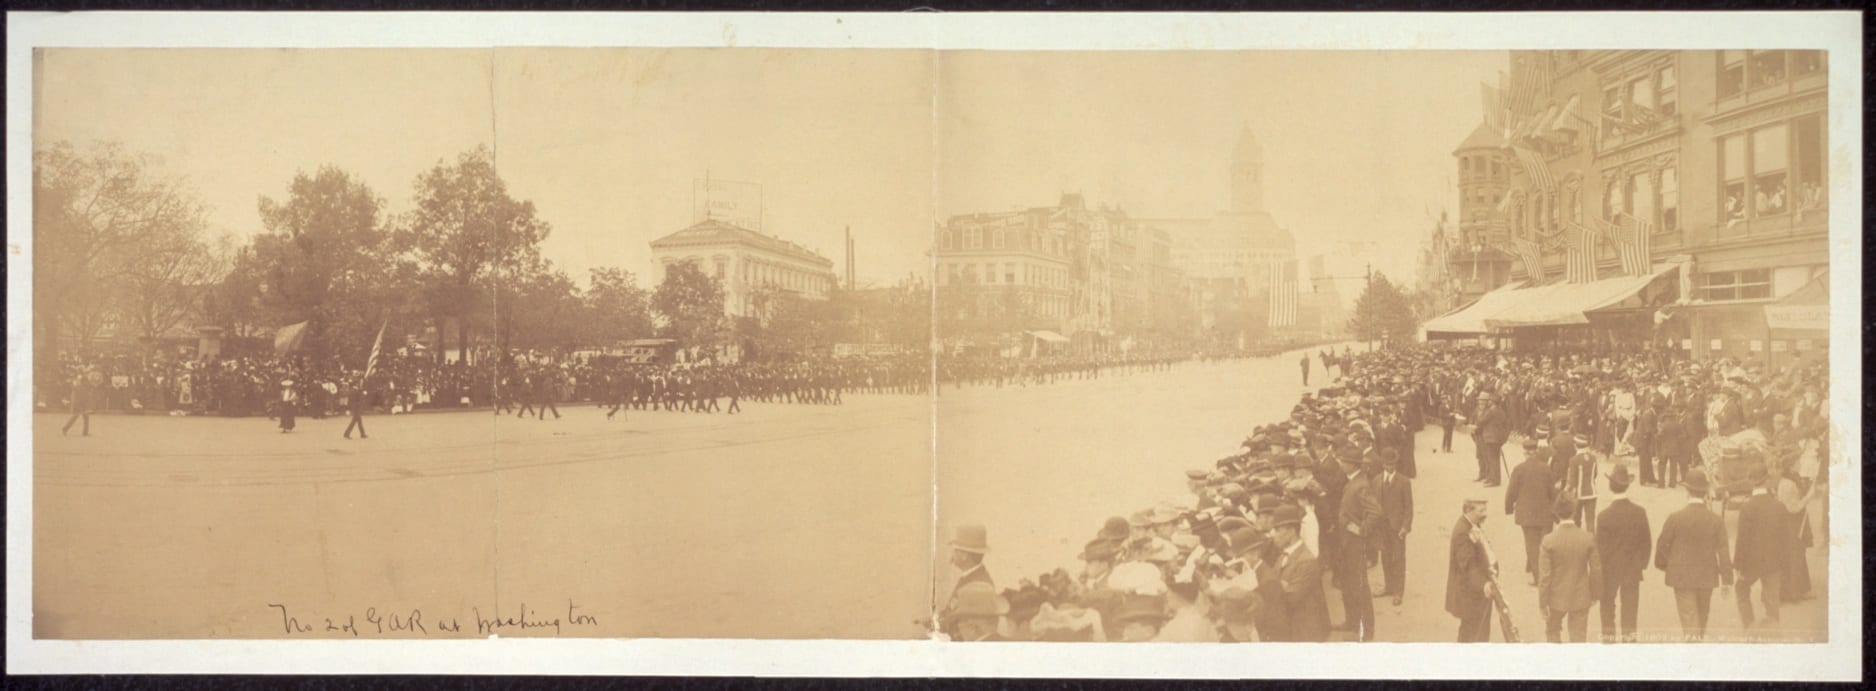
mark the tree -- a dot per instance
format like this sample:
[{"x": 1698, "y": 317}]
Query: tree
[
  {"x": 103, "y": 219},
  {"x": 323, "y": 260},
  {"x": 690, "y": 303},
  {"x": 172, "y": 282},
  {"x": 1382, "y": 313},
  {"x": 466, "y": 235},
  {"x": 538, "y": 309},
  {"x": 617, "y": 309}
]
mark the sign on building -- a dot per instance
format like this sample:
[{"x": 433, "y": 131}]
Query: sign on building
[{"x": 736, "y": 203}]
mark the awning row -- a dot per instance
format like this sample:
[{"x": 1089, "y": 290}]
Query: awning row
[{"x": 1549, "y": 305}]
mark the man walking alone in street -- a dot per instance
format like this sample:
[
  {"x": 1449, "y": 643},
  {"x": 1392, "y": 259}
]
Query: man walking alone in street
[
  {"x": 1625, "y": 542},
  {"x": 1528, "y": 499},
  {"x": 1569, "y": 576},
  {"x": 1692, "y": 550}
]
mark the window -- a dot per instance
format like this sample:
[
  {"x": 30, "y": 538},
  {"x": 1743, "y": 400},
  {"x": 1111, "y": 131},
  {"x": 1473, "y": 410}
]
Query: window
[
  {"x": 1732, "y": 72},
  {"x": 1768, "y": 67},
  {"x": 1641, "y": 93},
  {"x": 996, "y": 238},
  {"x": 1747, "y": 284},
  {"x": 1769, "y": 170},
  {"x": 1009, "y": 273},
  {"x": 1670, "y": 201},
  {"x": 1641, "y": 195},
  {"x": 1612, "y": 199},
  {"x": 1808, "y": 166},
  {"x": 1498, "y": 170},
  {"x": 1667, "y": 92},
  {"x": 944, "y": 239},
  {"x": 1611, "y": 108},
  {"x": 973, "y": 238},
  {"x": 1733, "y": 178}
]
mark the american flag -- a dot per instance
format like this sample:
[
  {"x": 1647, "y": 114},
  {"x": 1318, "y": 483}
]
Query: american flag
[
  {"x": 1532, "y": 254},
  {"x": 1632, "y": 239},
  {"x": 1581, "y": 264},
  {"x": 1534, "y": 167},
  {"x": 372, "y": 362},
  {"x": 1283, "y": 296}
]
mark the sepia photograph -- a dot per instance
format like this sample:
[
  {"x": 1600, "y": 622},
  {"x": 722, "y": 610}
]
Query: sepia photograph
[{"x": 933, "y": 345}]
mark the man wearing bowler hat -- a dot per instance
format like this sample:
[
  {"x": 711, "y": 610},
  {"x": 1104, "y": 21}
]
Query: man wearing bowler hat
[
  {"x": 1528, "y": 499},
  {"x": 1625, "y": 542},
  {"x": 967, "y": 554},
  {"x": 1469, "y": 572},
  {"x": 1304, "y": 602},
  {"x": 1569, "y": 575},
  {"x": 1358, "y": 525},
  {"x": 1692, "y": 551}
]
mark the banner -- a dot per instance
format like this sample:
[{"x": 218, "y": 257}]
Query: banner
[
  {"x": 289, "y": 338},
  {"x": 1813, "y": 317}
]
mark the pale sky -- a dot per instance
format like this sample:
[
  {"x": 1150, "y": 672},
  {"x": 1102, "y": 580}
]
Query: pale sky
[{"x": 606, "y": 142}]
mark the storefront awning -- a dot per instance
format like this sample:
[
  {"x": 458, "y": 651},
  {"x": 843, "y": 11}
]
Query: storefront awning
[
  {"x": 1049, "y": 336},
  {"x": 1564, "y": 304},
  {"x": 1471, "y": 318},
  {"x": 1807, "y": 308}
]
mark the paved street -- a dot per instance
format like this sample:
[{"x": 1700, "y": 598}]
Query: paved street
[
  {"x": 787, "y": 521},
  {"x": 1043, "y": 467},
  {"x": 673, "y": 524}
]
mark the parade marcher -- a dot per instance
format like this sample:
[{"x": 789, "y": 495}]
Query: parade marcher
[
  {"x": 1760, "y": 552},
  {"x": 1449, "y": 417},
  {"x": 1692, "y": 551},
  {"x": 1359, "y": 521},
  {"x": 1528, "y": 499},
  {"x": 289, "y": 399},
  {"x": 1305, "y": 364},
  {"x": 84, "y": 393},
  {"x": 355, "y": 404},
  {"x": 1569, "y": 576},
  {"x": 1469, "y": 573},
  {"x": 1624, "y": 541},
  {"x": 1397, "y": 511},
  {"x": 1580, "y": 483}
]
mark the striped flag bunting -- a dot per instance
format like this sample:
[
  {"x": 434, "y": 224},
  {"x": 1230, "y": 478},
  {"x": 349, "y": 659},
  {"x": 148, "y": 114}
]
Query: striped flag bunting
[
  {"x": 1283, "y": 296},
  {"x": 1634, "y": 244},
  {"x": 1532, "y": 254},
  {"x": 1535, "y": 167},
  {"x": 1580, "y": 266}
]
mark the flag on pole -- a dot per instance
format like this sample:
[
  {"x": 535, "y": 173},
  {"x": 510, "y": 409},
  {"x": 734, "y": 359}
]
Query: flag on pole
[
  {"x": 1534, "y": 167},
  {"x": 288, "y": 338},
  {"x": 1581, "y": 264},
  {"x": 1282, "y": 296},
  {"x": 1532, "y": 254},
  {"x": 371, "y": 362},
  {"x": 1632, "y": 241}
]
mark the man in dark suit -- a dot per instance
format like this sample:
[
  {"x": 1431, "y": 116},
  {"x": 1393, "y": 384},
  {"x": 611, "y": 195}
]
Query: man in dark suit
[
  {"x": 1670, "y": 442},
  {"x": 1528, "y": 499},
  {"x": 1359, "y": 520},
  {"x": 1494, "y": 429},
  {"x": 1396, "y": 495},
  {"x": 1625, "y": 542},
  {"x": 1643, "y": 436},
  {"x": 1761, "y": 550},
  {"x": 1469, "y": 571},
  {"x": 1580, "y": 481},
  {"x": 1692, "y": 550},
  {"x": 1569, "y": 575},
  {"x": 1328, "y": 473},
  {"x": 1301, "y": 576}
]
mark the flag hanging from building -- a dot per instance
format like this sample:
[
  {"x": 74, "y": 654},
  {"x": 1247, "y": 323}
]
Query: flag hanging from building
[
  {"x": 289, "y": 338},
  {"x": 371, "y": 362},
  {"x": 1492, "y": 104},
  {"x": 1534, "y": 167},
  {"x": 1532, "y": 254},
  {"x": 1633, "y": 242},
  {"x": 1580, "y": 266},
  {"x": 1283, "y": 296}
]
